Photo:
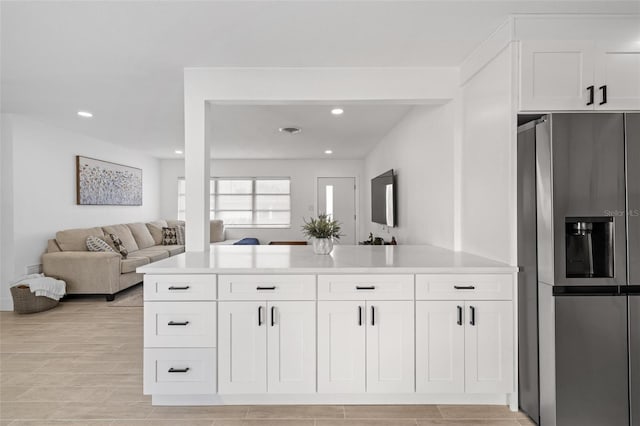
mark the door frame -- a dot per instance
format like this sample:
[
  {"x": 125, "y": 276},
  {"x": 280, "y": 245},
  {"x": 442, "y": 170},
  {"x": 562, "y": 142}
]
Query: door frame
[{"x": 356, "y": 200}]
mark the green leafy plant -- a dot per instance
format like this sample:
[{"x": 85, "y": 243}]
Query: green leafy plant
[{"x": 321, "y": 227}]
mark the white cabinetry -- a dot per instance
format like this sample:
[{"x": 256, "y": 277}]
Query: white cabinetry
[
  {"x": 179, "y": 334},
  {"x": 365, "y": 345},
  {"x": 464, "y": 345},
  {"x": 578, "y": 76},
  {"x": 266, "y": 345}
]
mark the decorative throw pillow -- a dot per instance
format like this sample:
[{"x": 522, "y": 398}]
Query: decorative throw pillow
[
  {"x": 98, "y": 244},
  {"x": 119, "y": 246},
  {"x": 180, "y": 234},
  {"x": 169, "y": 237}
]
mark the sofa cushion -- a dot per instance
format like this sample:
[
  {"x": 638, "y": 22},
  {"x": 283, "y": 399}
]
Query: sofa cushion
[
  {"x": 141, "y": 234},
  {"x": 153, "y": 253},
  {"x": 174, "y": 223},
  {"x": 76, "y": 239},
  {"x": 155, "y": 229},
  {"x": 173, "y": 250},
  {"x": 130, "y": 264},
  {"x": 124, "y": 233},
  {"x": 216, "y": 231}
]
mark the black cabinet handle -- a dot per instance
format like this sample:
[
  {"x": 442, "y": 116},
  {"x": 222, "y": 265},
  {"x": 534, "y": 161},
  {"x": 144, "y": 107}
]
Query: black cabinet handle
[
  {"x": 365, "y": 287},
  {"x": 459, "y": 315},
  {"x": 464, "y": 287},
  {"x": 259, "y": 315},
  {"x": 173, "y": 287},
  {"x": 591, "y": 95},
  {"x": 178, "y": 323},
  {"x": 360, "y": 315},
  {"x": 273, "y": 316},
  {"x": 373, "y": 315},
  {"x": 178, "y": 370},
  {"x": 473, "y": 316},
  {"x": 603, "y": 89},
  {"x": 266, "y": 288}
]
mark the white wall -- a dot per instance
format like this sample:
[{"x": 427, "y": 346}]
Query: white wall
[
  {"x": 488, "y": 162},
  {"x": 420, "y": 149},
  {"x": 303, "y": 174},
  {"x": 44, "y": 188}
]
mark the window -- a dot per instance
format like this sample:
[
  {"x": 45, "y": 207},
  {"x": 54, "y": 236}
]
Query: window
[{"x": 246, "y": 202}]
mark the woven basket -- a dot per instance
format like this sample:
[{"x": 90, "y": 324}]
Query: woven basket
[{"x": 25, "y": 302}]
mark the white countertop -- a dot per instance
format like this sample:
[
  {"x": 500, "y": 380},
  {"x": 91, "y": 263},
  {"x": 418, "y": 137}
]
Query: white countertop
[{"x": 265, "y": 259}]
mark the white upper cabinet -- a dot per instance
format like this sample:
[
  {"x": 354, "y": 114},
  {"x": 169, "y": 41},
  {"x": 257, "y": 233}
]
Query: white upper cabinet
[
  {"x": 556, "y": 75},
  {"x": 618, "y": 72},
  {"x": 578, "y": 76}
]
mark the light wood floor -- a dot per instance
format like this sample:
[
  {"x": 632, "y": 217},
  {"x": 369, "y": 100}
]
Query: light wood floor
[{"x": 81, "y": 364}]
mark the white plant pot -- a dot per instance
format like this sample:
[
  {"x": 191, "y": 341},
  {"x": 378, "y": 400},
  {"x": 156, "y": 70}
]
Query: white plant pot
[{"x": 322, "y": 245}]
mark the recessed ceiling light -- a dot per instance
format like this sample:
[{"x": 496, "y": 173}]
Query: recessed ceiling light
[
  {"x": 179, "y": 151},
  {"x": 337, "y": 111},
  {"x": 85, "y": 114},
  {"x": 328, "y": 151},
  {"x": 290, "y": 130}
]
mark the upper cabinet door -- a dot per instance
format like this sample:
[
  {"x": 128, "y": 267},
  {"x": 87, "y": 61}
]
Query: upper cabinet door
[
  {"x": 390, "y": 347},
  {"x": 341, "y": 347},
  {"x": 556, "y": 75},
  {"x": 242, "y": 347},
  {"x": 291, "y": 345},
  {"x": 440, "y": 347},
  {"x": 617, "y": 72},
  {"x": 489, "y": 347}
]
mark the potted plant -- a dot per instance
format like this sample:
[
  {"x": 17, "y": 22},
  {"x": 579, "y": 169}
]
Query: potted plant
[{"x": 322, "y": 230}]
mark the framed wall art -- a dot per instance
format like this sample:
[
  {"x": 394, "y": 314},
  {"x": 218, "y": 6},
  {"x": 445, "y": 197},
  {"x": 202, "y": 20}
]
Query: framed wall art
[{"x": 101, "y": 183}]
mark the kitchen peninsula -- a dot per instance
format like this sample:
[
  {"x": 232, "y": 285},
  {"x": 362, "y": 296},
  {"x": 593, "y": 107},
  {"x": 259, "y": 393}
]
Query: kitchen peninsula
[{"x": 365, "y": 325}]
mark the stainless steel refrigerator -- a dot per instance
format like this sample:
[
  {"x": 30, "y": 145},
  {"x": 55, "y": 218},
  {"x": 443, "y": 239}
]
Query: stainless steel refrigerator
[{"x": 579, "y": 279}]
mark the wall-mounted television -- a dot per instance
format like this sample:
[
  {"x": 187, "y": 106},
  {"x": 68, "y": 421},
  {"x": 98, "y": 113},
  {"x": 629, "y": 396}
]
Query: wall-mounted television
[{"x": 383, "y": 199}]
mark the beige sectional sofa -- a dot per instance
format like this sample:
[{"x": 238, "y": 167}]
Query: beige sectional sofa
[{"x": 107, "y": 273}]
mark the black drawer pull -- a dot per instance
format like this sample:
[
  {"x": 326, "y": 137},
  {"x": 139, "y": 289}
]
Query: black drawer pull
[
  {"x": 178, "y": 323},
  {"x": 473, "y": 316},
  {"x": 273, "y": 316},
  {"x": 359, "y": 315},
  {"x": 604, "y": 94},
  {"x": 173, "y": 287},
  {"x": 266, "y": 288},
  {"x": 260, "y": 316},
  {"x": 459, "y": 315},
  {"x": 373, "y": 315},
  {"x": 178, "y": 370},
  {"x": 464, "y": 287},
  {"x": 365, "y": 287},
  {"x": 591, "y": 89}
]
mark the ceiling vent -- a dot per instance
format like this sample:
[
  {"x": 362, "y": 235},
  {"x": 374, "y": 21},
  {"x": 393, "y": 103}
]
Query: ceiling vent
[{"x": 290, "y": 130}]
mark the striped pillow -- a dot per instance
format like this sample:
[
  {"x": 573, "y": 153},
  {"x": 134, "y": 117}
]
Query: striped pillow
[{"x": 98, "y": 244}]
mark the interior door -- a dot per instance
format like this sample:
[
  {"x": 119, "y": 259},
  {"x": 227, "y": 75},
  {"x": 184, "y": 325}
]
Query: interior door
[
  {"x": 390, "y": 347},
  {"x": 291, "y": 342},
  {"x": 341, "y": 347},
  {"x": 242, "y": 347},
  {"x": 489, "y": 347},
  {"x": 440, "y": 346},
  {"x": 337, "y": 198}
]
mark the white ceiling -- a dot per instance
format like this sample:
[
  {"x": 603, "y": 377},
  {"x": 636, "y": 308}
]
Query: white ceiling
[
  {"x": 123, "y": 60},
  {"x": 250, "y": 131}
]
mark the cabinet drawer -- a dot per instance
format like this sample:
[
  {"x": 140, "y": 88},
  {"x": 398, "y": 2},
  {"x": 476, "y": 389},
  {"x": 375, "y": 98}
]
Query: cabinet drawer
[
  {"x": 365, "y": 287},
  {"x": 179, "y": 371},
  {"x": 267, "y": 287},
  {"x": 179, "y": 287},
  {"x": 464, "y": 287},
  {"x": 185, "y": 324}
]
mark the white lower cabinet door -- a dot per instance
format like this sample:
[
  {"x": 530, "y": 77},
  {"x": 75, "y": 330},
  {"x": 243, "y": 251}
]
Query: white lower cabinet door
[
  {"x": 489, "y": 347},
  {"x": 390, "y": 347},
  {"x": 440, "y": 347},
  {"x": 242, "y": 347},
  {"x": 291, "y": 347},
  {"x": 341, "y": 347}
]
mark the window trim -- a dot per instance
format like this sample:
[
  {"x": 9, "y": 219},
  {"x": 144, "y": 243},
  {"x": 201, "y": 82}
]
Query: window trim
[{"x": 253, "y": 195}]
